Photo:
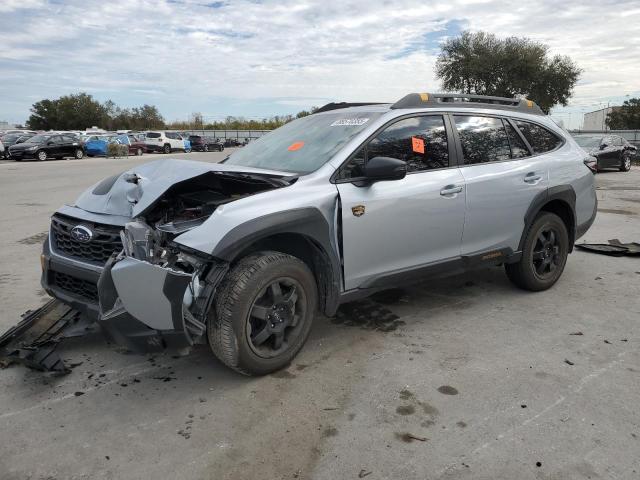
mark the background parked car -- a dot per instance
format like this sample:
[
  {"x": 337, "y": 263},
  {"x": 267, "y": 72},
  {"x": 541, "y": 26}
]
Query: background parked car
[
  {"x": 97, "y": 145},
  {"x": 45, "y": 146},
  {"x": 24, "y": 138},
  {"x": 232, "y": 142},
  {"x": 163, "y": 141},
  {"x": 9, "y": 139},
  {"x": 200, "y": 143},
  {"x": 610, "y": 151}
]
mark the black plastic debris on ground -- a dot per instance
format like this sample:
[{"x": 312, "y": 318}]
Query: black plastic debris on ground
[
  {"x": 614, "y": 248},
  {"x": 368, "y": 315}
]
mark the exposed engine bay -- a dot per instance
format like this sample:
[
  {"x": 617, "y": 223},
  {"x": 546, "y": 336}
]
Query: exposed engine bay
[{"x": 184, "y": 206}]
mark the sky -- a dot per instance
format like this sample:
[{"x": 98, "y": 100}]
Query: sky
[{"x": 258, "y": 58}]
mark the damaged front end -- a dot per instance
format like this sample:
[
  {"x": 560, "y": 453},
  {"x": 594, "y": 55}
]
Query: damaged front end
[
  {"x": 153, "y": 295},
  {"x": 156, "y": 293},
  {"x": 152, "y": 292}
]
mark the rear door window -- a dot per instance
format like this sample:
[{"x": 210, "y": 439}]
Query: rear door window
[
  {"x": 153, "y": 135},
  {"x": 483, "y": 139},
  {"x": 518, "y": 147},
  {"x": 540, "y": 139}
]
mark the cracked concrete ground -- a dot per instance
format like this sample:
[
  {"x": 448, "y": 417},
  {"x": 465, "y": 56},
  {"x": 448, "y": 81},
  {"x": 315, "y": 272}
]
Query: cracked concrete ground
[{"x": 474, "y": 379}]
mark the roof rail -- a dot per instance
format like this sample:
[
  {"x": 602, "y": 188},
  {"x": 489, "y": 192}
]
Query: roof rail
[
  {"x": 336, "y": 106},
  {"x": 435, "y": 100}
]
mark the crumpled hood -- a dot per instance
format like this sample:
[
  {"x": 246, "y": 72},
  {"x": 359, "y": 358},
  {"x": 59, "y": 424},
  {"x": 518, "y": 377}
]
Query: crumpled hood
[{"x": 130, "y": 193}]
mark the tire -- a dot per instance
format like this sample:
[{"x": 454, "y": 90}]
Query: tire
[
  {"x": 139, "y": 152},
  {"x": 205, "y": 148},
  {"x": 79, "y": 154},
  {"x": 541, "y": 252},
  {"x": 625, "y": 165},
  {"x": 166, "y": 149},
  {"x": 248, "y": 301},
  {"x": 41, "y": 155}
]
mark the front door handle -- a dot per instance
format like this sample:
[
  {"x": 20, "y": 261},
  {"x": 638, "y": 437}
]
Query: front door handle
[
  {"x": 450, "y": 190},
  {"x": 532, "y": 178}
]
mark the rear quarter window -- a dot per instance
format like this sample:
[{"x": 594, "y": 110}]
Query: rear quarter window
[{"x": 540, "y": 139}]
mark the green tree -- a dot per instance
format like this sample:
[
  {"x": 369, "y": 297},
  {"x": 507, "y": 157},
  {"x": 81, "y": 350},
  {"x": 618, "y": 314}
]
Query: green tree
[
  {"x": 627, "y": 117},
  {"x": 482, "y": 64},
  {"x": 70, "y": 112}
]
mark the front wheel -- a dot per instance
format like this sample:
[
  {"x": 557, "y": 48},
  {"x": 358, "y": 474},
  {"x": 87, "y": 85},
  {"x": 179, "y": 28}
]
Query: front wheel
[
  {"x": 138, "y": 152},
  {"x": 625, "y": 166},
  {"x": 544, "y": 254},
  {"x": 205, "y": 148},
  {"x": 167, "y": 149},
  {"x": 263, "y": 313},
  {"x": 79, "y": 154}
]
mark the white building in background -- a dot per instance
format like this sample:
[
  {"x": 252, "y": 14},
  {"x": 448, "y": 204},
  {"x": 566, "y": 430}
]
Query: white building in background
[{"x": 597, "y": 120}]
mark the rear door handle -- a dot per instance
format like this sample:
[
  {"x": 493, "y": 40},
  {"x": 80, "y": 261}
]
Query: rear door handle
[
  {"x": 532, "y": 177},
  {"x": 450, "y": 190}
]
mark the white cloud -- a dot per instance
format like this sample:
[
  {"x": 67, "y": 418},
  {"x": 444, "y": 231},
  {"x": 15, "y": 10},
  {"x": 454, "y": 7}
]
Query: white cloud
[{"x": 181, "y": 55}]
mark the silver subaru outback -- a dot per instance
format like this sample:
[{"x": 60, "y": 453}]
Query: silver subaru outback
[{"x": 351, "y": 200}]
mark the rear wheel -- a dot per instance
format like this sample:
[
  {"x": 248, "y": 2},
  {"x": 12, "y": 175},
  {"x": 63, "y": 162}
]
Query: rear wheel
[
  {"x": 41, "y": 155},
  {"x": 79, "y": 154},
  {"x": 263, "y": 314},
  {"x": 138, "y": 152},
  {"x": 544, "y": 254},
  {"x": 205, "y": 148},
  {"x": 167, "y": 148},
  {"x": 625, "y": 165}
]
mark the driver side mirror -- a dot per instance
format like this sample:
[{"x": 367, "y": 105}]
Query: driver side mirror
[
  {"x": 385, "y": 168},
  {"x": 603, "y": 146}
]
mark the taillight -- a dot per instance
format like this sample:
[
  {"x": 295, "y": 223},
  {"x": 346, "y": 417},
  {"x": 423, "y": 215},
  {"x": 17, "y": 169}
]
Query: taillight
[{"x": 591, "y": 163}]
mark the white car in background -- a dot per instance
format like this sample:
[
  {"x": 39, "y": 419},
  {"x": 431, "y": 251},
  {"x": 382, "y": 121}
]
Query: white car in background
[{"x": 163, "y": 141}]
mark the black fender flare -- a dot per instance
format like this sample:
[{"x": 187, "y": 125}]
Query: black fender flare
[
  {"x": 308, "y": 222},
  {"x": 564, "y": 193}
]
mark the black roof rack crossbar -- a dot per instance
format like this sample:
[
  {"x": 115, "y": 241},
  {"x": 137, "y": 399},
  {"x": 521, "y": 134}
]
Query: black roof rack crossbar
[
  {"x": 422, "y": 100},
  {"x": 335, "y": 106}
]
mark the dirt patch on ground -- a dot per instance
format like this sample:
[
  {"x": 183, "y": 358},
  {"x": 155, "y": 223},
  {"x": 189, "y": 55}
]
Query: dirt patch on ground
[{"x": 34, "y": 239}]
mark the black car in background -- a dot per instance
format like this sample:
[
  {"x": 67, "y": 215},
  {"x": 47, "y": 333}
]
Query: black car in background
[
  {"x": 233, "y": 142},
  {"x": 610, "y": 151},
  {"x": 200, "y": 143},
  {"x": 10, "y": 139},
  {"x": 45, "y": 146}
]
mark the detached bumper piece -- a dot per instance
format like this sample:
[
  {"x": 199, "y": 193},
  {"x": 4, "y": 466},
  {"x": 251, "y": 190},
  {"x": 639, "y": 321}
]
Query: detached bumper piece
[
  {"x": 33, "y": 341},
  {"x": 614, "y": 248},
  {"x": 141, "y": 306}
]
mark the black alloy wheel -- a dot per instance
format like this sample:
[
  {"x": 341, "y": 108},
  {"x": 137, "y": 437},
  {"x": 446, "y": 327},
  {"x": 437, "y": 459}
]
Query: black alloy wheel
[
  {"x": 546, "y": 253},
  {"x": 274, "y": 316}
]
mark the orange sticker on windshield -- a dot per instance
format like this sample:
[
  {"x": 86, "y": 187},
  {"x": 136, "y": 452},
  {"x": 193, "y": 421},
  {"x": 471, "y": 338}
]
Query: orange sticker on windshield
[
  {"x": 417, "y": 144},
  {"x": 295, "y": 146}
]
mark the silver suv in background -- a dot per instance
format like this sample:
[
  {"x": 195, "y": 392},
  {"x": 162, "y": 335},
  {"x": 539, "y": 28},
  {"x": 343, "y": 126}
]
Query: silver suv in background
[{"x": 329, "y": 208}]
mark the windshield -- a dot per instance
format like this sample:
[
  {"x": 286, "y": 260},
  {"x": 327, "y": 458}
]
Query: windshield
[
  {"x": 303, "y": 145},
  {"x": 587, "y": 142},
  {"x": 38, "y": 139}
]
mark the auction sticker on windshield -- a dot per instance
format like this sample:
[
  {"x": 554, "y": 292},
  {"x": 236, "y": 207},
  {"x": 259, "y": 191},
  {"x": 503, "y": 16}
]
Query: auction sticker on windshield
[{"x": 349, "y": 122}]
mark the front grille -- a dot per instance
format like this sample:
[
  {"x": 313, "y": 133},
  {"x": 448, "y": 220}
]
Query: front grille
[
  {"x": 105, "y": 241},
  {"x": 76, "y": 286}
]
